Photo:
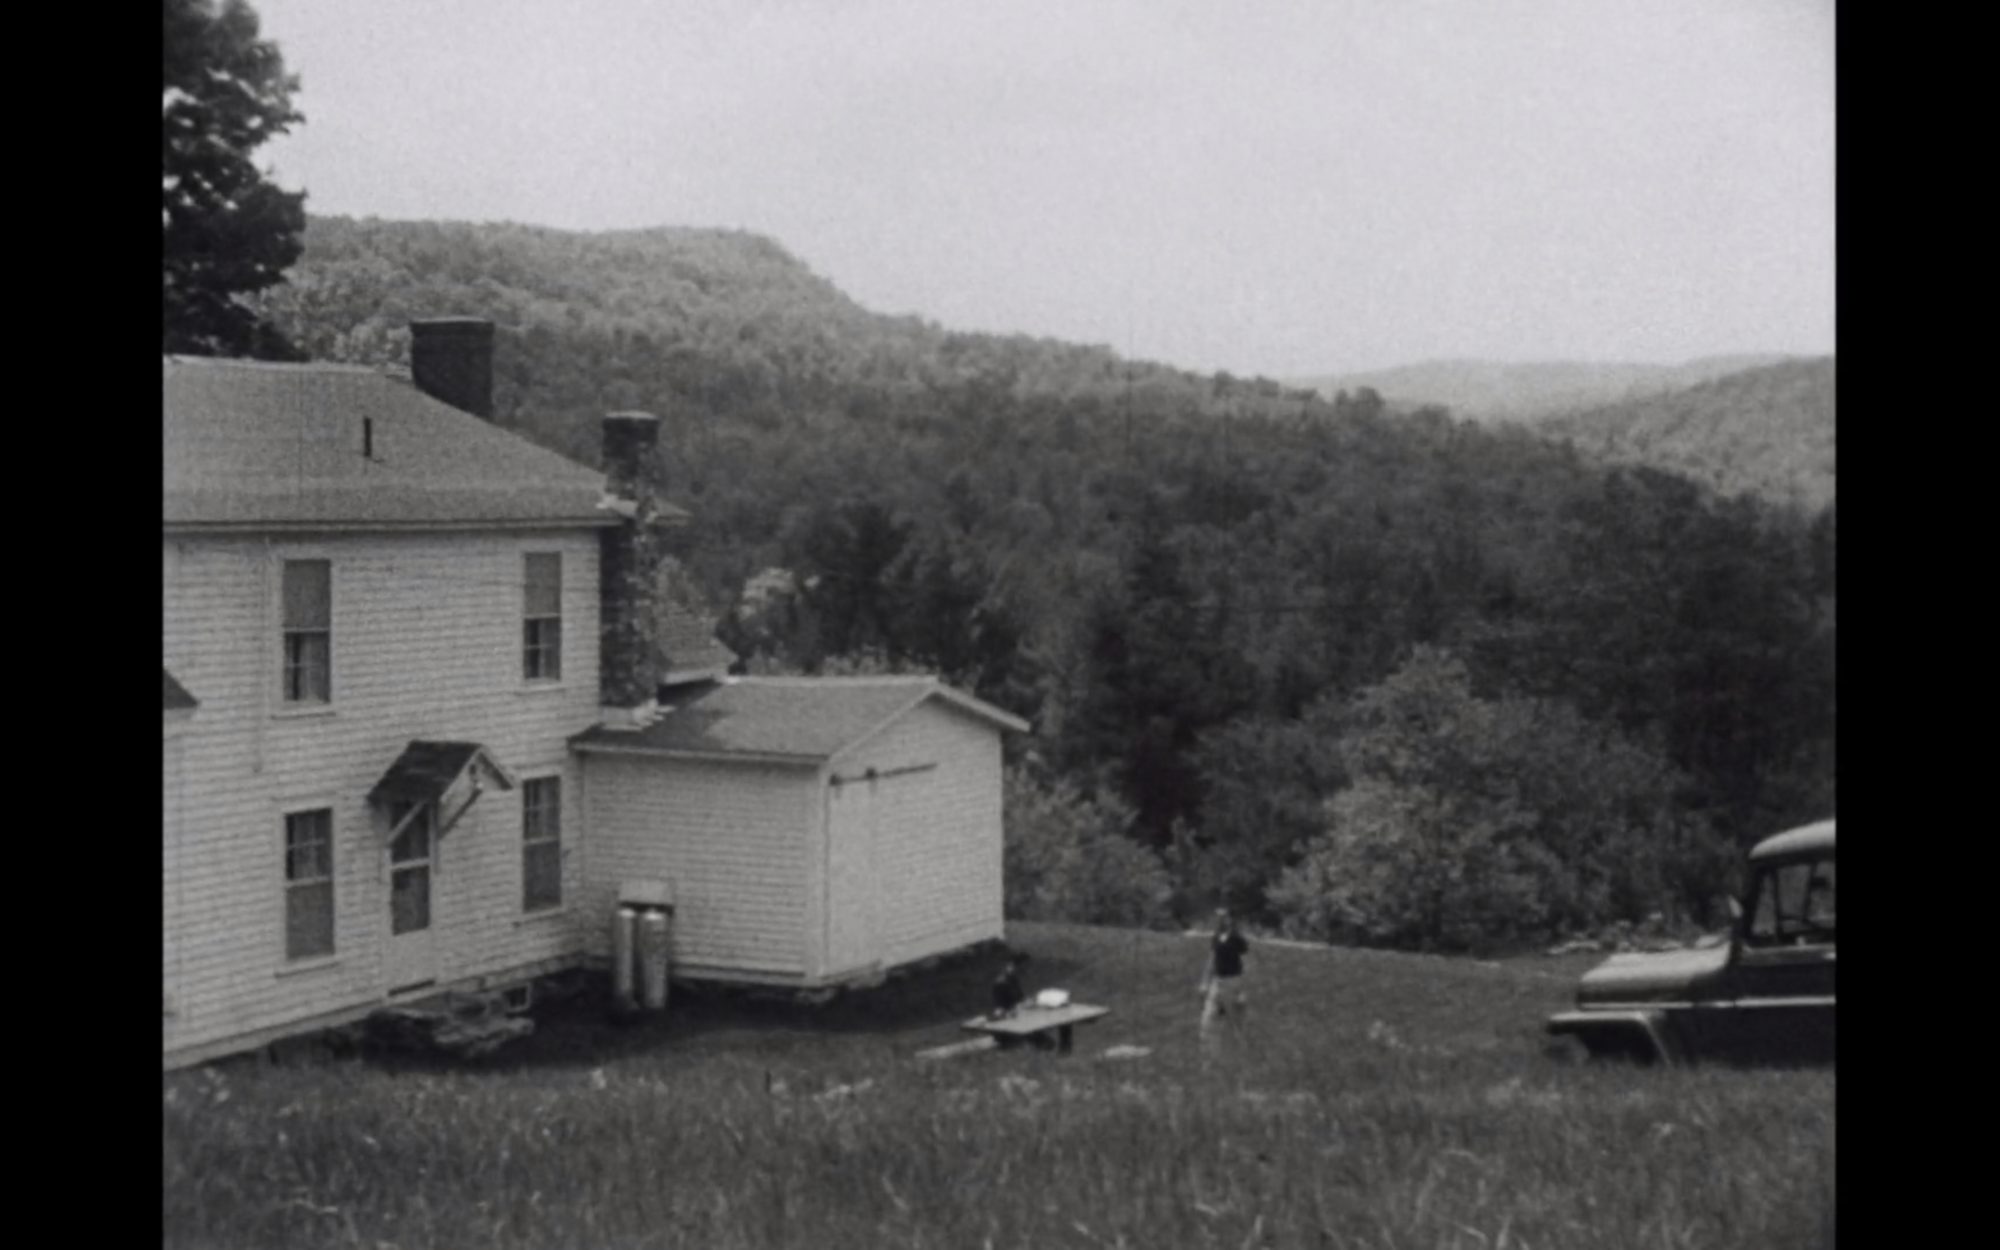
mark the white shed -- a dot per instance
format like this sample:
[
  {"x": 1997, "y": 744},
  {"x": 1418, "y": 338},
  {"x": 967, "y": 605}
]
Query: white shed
[{"x": 813, "y": 831}]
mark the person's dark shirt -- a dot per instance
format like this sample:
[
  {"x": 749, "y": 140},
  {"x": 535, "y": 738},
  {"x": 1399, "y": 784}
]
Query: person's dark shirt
[
  {"x": 1007, "y": 992},
  {"x": 1227, "y": 950}
]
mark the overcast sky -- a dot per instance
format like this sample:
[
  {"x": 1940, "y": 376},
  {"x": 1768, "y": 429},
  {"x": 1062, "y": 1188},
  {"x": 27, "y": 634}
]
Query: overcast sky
[{"x": 1275, "y": 187}]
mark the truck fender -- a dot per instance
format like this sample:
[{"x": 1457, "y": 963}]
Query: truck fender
[{"x": 1639, "y": 1032}]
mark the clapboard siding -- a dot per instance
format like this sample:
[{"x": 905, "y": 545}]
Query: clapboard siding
[
  {"x": 936, "y": 851},
  {"x": 731, "y": 838},
  {"x": 170, "y": 825},
  {"x": 426, "y": 644}
]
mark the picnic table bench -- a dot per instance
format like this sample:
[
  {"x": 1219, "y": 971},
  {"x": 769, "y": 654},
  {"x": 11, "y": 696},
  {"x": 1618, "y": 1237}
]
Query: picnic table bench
[{"x": 1039, "y": 1025}]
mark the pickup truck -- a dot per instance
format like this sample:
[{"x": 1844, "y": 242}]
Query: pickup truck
[{"x": 1765, "y": 995}]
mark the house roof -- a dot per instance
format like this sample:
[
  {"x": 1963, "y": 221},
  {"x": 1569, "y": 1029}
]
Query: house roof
[
  {"x": 797, "y": 719},
  {"x": 426, "y": 770},
  {"x": 250, "y": 445},
  {"x": 177, "y": 697}
]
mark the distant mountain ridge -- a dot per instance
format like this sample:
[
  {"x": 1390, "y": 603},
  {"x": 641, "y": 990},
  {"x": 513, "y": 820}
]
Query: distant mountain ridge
[
  {"x": 729, "y": 331},
  {"x": 1767, "y": 430},
  {"x": 714, "y": 321},
  {"x": 1485, "y": 390}
]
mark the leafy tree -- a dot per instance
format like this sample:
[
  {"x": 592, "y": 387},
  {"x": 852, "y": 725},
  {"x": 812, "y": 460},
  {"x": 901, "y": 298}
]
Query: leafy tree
[
  {"x": 1067, "y": 857},
  {"x": 1365, "y": 403},
  {"x": 1414, "y": 866},
  {"x": 1473, "y": 822},
  {"x": 1428, "y": 846},
  {"x": 853, "y": 664},
  {"x": 1615, "y": 815},
  {"x": 228, "y": 232},
  {"x": 767, "y": 611}
]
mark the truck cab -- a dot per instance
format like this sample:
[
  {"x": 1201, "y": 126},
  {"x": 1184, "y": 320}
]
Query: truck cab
[{"x": 1764, "y": 996}]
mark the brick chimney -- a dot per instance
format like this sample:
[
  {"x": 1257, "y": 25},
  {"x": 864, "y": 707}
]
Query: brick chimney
[
  {"x": 451, "y": 359},
  {"x": 628, "y": 654}
]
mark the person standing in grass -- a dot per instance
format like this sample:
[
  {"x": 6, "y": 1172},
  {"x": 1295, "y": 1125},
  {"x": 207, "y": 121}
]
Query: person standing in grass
[{"x": 1222, "y": 995}]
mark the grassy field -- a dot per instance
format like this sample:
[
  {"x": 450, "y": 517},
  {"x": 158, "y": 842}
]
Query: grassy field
[{"x": 1374, "y": 1100}]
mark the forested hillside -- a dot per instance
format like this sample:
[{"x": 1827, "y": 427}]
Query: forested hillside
[
  {"x": 719, "y": 322},
  {"x": 1262, "y": 636},
  {"x": 1769, "y": 431},
  {"x": 1485, "y": 390}
]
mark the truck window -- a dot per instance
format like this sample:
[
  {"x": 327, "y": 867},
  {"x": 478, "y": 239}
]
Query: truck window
[{"x": 1794, "y": 904}]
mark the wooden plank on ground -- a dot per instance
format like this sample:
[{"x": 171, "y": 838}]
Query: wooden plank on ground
[
  {"x": 971, "y": 1046},
  {"x": 1032, "y": 1020}
]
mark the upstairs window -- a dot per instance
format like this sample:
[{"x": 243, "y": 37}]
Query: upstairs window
[
  {"x": 308, "y": 630},
  {"x": 541, "y": 843},
  {"x": 309, "y": 884},
  {"x": 541, "y": 627}
]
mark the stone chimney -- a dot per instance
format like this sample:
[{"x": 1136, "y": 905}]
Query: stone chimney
[
  {"x": 452, "y": 359},
  {"x": 628, "y": 654}
]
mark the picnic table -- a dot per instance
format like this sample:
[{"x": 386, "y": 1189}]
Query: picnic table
[{"x": 1035, "y": 1024}]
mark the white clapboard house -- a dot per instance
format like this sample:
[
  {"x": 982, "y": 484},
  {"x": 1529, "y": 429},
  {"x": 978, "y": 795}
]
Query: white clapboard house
[{"x": 413, "y": 740}]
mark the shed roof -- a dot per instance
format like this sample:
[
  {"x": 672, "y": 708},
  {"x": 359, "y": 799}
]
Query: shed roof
[
  {"x": 1813, "y": 837},
  {"x": 177, "y": 697},
  {"x": 801, "y": 719},
  {"x": 250, "y": 445}
]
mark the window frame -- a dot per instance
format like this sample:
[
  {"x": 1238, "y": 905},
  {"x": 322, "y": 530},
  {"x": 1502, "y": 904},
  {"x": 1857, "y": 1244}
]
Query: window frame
[
  {"x": 542, "y": 837},
  {"x": 294, "y": 886},
  {"x": 286, "y": 703},
  {"x": 541, "y": 656},
  {"x": 401, "y": 860},
  {"x": 1777, "y": 915}
]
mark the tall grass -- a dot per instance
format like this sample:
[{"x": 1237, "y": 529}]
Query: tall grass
[{"x": 1315, "y": 1129}]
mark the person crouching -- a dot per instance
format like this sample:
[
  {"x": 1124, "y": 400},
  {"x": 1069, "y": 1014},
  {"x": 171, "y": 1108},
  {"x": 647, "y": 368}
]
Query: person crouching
[{"x": 1007, "y": 992}]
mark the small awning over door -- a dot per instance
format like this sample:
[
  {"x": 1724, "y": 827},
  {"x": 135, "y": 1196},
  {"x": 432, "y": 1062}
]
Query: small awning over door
[
  {"x": 177, "y": 698},
  {"x": 448, "y": 775},
  {"x": 179, "y": 707}
]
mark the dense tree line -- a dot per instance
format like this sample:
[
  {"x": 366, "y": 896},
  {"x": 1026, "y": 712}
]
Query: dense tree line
[{"x": 1310, "y": 657}]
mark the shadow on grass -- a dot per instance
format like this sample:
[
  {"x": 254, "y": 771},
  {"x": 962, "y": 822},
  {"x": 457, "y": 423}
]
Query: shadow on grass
[{"x": 903, "y": 1015}]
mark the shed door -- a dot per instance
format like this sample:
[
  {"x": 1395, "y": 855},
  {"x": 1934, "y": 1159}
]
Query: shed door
[
  {"x": 412, "y": 889},
  {"x": 850, "y": 876}
]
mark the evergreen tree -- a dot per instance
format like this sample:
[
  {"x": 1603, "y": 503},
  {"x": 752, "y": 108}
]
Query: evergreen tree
[
  {"x": 1160, "y": 675},
  {"x": 1265, "y": 784},
  {"x": 228, "y": 231},
  {"x": 845, "y": 552}
]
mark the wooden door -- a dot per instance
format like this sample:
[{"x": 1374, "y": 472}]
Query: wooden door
[
  {"x": 850, "y": 876},
  {"x": 412, "y": 955}
]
